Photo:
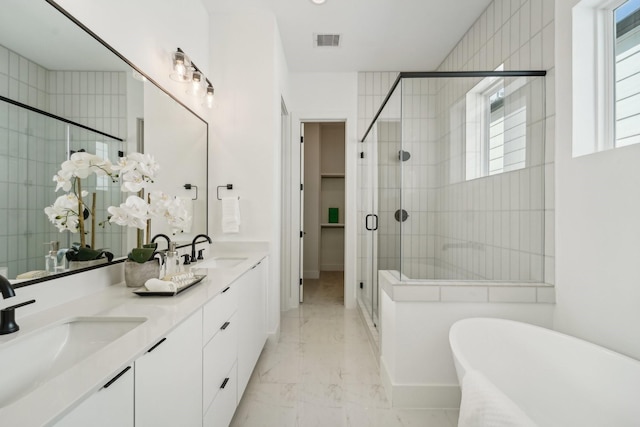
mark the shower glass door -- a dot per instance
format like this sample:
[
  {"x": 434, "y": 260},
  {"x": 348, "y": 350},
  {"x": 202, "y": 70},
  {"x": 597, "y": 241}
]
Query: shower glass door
[{"x": 379, "y": 185}]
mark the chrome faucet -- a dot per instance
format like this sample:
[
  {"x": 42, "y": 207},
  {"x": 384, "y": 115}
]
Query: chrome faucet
[
  {"x": 7, "y": 315},
  {"x": 193, "y": 246}
]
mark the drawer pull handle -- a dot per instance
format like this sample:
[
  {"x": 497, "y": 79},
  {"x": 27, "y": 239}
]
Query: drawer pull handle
[
  {"x": 225, "y": 289},
  {"x": 224, "y": 383},
  {"x": 224, "y": 325},
  {"x": 157, "y": 344},
  {"x": 114, "y": 379}
]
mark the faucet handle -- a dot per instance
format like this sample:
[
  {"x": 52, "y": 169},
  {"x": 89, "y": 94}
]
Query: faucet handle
[
  {"x": 7, "y": 318},
  {"x": 200, "y": 254},
  {"x": 187, "y": 259}
]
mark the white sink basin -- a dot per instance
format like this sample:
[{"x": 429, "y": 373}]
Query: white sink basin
[
  {"x": 31, "y": 360},
  {"x": 220, "y": 262}
]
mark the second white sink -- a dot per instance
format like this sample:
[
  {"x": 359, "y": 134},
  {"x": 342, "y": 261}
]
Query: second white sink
[
  {"x": 31, "y": 360},
  {"x": 220, "y": 262}
]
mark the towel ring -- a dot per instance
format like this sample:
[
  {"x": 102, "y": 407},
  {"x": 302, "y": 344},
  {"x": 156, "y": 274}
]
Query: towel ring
[
  {"x": 228, "y": 187},
  {"x": 189, "y": 187}
]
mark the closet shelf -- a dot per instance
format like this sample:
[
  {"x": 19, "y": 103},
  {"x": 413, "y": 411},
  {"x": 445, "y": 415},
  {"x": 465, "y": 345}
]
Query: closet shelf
[
  {"x": 332, "y": 175},
  {"x": 331, "y": 225}
]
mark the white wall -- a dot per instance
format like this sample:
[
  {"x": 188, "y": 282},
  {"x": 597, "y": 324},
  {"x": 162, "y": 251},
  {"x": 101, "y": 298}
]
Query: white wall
[
  {"x": 250, "y": 76},
  {"x": 597, "y": 225},
  {"x": 328, "y": 97}
]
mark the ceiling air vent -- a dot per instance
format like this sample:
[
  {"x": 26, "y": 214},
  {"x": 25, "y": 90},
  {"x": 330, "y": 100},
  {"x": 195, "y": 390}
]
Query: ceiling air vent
[{"x": 326, "y": 40}]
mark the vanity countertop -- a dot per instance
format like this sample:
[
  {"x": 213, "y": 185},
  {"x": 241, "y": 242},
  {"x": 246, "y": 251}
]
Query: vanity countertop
[{"x": 49, "y": 402}]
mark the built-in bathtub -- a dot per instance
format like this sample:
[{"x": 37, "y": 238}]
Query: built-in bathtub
[
  {"x": 555, "y": 379},
  {"x": 416, "y": 364}
]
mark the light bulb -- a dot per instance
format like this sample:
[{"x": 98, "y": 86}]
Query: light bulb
[
  {"x": 208, "y": 101},
  {"x": 197, "y": 84},
  {"x": 181, "y": 67}
]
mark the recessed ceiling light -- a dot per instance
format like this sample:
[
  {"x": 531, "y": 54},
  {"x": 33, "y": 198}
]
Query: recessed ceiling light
[{"x": 318, "y": 1}]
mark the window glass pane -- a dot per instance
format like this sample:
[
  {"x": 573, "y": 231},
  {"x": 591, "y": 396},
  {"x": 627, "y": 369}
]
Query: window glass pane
[{"x": 627, "y": 73}]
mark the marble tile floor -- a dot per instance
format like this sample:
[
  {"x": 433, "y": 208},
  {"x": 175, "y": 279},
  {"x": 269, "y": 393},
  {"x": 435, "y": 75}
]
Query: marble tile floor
[{"x": 323, "y": 373}]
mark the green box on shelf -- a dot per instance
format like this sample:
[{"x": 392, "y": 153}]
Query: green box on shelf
[{"x": 333, "y": 216}]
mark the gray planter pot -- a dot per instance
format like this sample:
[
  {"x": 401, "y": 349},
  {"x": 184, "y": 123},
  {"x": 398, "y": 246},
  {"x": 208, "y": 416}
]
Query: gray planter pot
[
  {"x": 76, "y": 265},
  {"x": 136, "y": 274}
]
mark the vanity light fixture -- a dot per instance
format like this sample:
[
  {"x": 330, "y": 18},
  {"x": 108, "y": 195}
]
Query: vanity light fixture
[
  {"x": 318, "y": 2},
  {"x": 184, "y": 70}
]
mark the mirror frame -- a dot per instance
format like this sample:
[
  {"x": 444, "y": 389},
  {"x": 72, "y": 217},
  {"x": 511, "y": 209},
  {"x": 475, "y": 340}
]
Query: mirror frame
[{"x": 157, "y": 85}]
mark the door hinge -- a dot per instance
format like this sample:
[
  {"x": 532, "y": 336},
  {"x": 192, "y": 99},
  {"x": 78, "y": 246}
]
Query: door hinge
[
  {"x": 302, "y": 140},
  {"x": 301, "y": 282},
  {"x": 361, "y": 285},
  {"x": 301, "y": 233},
  {"x": 362, "y": 154},
  {"x": 301, "y": 187}
]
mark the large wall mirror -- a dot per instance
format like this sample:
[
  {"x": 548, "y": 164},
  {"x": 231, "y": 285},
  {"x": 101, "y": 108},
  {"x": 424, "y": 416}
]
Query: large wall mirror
[{"x": 62, "y": 91}]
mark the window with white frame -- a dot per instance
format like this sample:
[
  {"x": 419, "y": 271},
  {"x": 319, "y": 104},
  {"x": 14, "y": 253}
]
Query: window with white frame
[
  {"x": 606, "y": 75},
  {"x": 496, "y": 128},
  {"x": 627, "y": 73}
]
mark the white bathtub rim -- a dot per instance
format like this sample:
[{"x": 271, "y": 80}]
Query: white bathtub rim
[
  {"x": 465, "y": 365},
  {"x": 615, "y": 363}
]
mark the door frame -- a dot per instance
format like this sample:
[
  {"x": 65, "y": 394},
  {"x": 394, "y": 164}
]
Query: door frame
[{"x": 291, "y": 287}]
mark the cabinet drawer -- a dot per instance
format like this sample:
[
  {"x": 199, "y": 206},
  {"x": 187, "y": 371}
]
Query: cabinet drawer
[
  {"x": 217, "y": 311},
  {"x": 217, "y": 358},
  {"x": 223, "y": 407}
]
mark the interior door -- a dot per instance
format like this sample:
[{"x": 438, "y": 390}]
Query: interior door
[{"x": 301, "y": 257}]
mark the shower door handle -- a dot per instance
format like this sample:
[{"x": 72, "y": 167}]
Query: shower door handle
[{"x": 366, "y": 222}]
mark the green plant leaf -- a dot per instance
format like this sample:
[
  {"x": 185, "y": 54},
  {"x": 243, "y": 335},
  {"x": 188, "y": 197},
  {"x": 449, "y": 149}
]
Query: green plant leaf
[{"x": 141, "y": 255}]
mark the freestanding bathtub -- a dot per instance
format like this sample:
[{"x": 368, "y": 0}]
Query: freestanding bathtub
[{"x": 555, "y": 379}]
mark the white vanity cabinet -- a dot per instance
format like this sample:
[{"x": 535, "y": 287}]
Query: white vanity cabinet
[
  {"x": 168, "y": 379},
  {"x": 110, "y": 406},
  {"x": 219, "y": 358},
  {"x": 195, "y": 376},
  {"x": 252, "y": 320}
]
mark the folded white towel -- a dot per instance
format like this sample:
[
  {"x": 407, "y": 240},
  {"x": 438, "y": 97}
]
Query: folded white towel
[
  {"x": 484, "y": 405},
  {"x": 230, "y": 215},
  {"x": 157, "y": 285}
]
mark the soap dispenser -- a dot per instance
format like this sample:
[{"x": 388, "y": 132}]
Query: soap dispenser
[
  {"x": 51, "y": 258},
  {"x": 173, "y": 260}
]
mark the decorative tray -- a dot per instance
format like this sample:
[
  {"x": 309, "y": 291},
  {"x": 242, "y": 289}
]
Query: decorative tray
[{"x": 143, "y": 292}]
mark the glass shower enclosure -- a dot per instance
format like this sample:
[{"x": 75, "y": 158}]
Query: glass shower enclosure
[{"x": 451, "y": 181}]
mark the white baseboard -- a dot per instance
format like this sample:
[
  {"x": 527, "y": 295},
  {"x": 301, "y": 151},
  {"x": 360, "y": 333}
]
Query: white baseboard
[
  {"x": 419, "y": 396},
  {"x": 311, "y": 274}
]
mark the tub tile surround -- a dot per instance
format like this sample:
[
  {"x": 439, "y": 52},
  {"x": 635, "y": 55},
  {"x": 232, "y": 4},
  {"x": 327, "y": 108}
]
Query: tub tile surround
[
  {"x": 99, "y": 298},
  {"x": 464, "y": 291}
]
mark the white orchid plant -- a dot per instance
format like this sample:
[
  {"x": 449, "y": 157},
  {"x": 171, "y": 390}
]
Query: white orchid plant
[{"x": 135, "y": 171}]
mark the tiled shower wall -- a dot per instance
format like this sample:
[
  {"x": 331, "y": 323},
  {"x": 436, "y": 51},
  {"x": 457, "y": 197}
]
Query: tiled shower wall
[
  {"x": 520, "y": 35},
  {"x": 33, "y": 147}
]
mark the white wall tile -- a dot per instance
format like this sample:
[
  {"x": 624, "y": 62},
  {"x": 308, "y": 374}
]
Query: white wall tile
[{"x": 518, "y": 294}]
